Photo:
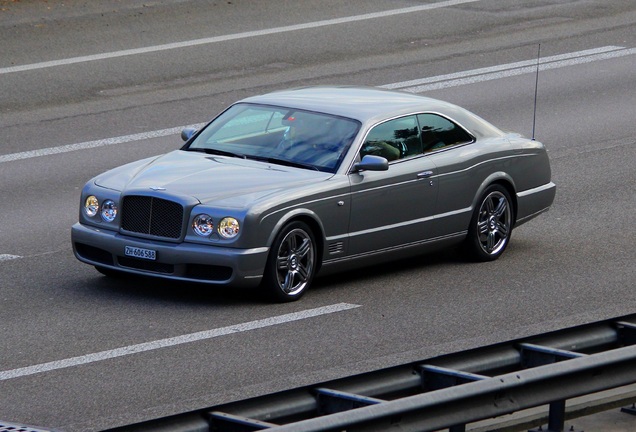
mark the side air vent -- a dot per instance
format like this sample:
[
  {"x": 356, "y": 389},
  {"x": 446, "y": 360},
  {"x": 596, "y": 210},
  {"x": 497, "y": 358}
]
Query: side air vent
[{"x": 336, "y": 248}]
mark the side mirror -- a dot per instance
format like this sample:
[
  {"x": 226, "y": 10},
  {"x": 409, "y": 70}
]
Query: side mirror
[
  {"x": 372, "y": 163},
  {"x": 187, "y": 133}
]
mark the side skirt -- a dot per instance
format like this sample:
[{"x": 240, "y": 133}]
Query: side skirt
[{"x": 409, "y": 250}]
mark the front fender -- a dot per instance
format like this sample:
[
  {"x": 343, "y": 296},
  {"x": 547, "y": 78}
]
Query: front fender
[{"x": 298, "y": 214}]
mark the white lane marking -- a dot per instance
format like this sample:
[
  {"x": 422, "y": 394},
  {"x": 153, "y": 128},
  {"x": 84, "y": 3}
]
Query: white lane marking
[
  {"x": 503, "y": 67},
  {"x": 509, "y": 70},
  {"x": 224, "y": 38},
  {"x": 93, "y": 144},
  {"x": 177, "y": 340},
  {"x": 414, "y": 86},
  {"x": 8, "y": 257}
]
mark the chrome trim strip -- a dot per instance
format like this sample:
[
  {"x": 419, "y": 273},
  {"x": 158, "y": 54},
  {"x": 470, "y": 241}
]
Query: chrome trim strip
[
  {"x": 536, "y": 190},
  {"x": 514, "y": 156},
  {"x": 414, "y": 180},
  {"x": 411, "y": 222}
]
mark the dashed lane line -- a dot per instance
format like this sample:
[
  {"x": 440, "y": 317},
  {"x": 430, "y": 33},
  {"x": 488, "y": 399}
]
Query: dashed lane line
[
  {"x": 235, "y": 36},
  {"x": 414, "y": 86},
  {"x": 510, "y": 70},
  {"x": 174, "y": 341},
  {"x": 94, "y": 144},
  {"x": 8, "y": 257}
]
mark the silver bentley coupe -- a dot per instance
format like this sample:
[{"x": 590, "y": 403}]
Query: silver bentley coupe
[{"x": 281, "y": 187}]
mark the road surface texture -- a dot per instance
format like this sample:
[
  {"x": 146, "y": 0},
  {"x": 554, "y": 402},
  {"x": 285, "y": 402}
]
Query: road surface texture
[{"x": 86, "y": 86}]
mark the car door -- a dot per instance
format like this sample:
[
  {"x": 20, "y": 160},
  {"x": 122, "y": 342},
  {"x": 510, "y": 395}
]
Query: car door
[
  {"x": 461, "y": 169},
  {"x": 393, "y": 208}
]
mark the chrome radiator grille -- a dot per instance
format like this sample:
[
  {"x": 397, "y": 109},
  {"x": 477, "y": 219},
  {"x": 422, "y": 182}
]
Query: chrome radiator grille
[{"x": 153, "y": 216}]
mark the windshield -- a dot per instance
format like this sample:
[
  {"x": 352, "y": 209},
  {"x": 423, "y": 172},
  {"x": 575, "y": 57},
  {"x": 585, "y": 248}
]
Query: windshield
[{"x": 278, "y": 135}]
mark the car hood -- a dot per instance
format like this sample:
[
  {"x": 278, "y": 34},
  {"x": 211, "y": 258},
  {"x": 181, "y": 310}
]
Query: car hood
[{"x": 207, "y": 178}]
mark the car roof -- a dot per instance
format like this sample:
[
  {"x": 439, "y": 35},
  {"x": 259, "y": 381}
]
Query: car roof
[
  {"x": 368, "y": 104},
  {"x": 360, "y": 103}
]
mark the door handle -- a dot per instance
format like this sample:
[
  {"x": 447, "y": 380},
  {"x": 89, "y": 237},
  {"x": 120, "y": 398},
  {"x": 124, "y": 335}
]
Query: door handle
[{"x": 425, "y": 174}]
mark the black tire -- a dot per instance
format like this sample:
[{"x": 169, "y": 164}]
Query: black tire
[
  {"x": 291, "y": 264},
  {"x": 491, "y": 225}
]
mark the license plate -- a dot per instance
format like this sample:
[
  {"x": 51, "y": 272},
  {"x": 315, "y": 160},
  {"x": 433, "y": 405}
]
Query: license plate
[{"x": 147, "y": 254}]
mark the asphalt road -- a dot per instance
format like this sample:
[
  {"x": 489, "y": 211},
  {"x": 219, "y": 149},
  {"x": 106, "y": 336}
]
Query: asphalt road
[{"x": 80, "y": 352}]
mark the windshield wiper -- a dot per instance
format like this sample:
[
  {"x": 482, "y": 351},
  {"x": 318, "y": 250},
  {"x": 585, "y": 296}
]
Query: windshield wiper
[
  {"x": 217, "y": 152},
  {"x": 285, "y": 162}
]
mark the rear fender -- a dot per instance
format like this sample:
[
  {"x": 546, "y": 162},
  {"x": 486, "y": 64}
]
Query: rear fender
[{"x": 503, "y": 179}]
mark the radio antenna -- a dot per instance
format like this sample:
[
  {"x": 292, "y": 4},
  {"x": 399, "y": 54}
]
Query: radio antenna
[{"x": 536, "y": 89}]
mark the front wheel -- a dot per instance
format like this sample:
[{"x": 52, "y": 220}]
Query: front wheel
[
  {"x": 491, "y": 225},
  {"x": 291, "y": 263}
]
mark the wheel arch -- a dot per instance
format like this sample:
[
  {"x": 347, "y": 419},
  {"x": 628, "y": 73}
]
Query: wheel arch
[
  {"x": 504, "y": 180},
  {"x": 313, "y": 222}
]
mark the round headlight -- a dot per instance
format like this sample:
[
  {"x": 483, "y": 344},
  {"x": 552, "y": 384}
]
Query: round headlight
[
  {"x": 91, "y": 206},
  {"x": 203, "y": 225},
  {"x": 109, "y": 211},
  {"x": 228, "y": 228}
]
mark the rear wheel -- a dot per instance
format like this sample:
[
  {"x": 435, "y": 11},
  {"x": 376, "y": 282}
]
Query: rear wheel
[
  {"x": 291, "y": 263},
  {"x": 491, "y": 225}
]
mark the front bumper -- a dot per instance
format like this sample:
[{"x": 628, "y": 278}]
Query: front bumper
[{"x": 178, "y": 261}]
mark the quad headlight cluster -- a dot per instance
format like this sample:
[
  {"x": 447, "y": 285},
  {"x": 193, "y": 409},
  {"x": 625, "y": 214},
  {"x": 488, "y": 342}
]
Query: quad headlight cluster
[
  {"x": 107, "y": 210},
  {"x": 202, "y": 224},
  {"x": 227, "y": 228}
]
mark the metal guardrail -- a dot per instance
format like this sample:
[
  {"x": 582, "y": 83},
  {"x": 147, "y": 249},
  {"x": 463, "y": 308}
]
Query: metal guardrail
[
  {"x": 446, "y": 392},
  {"x": 439, "y": 393}
]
